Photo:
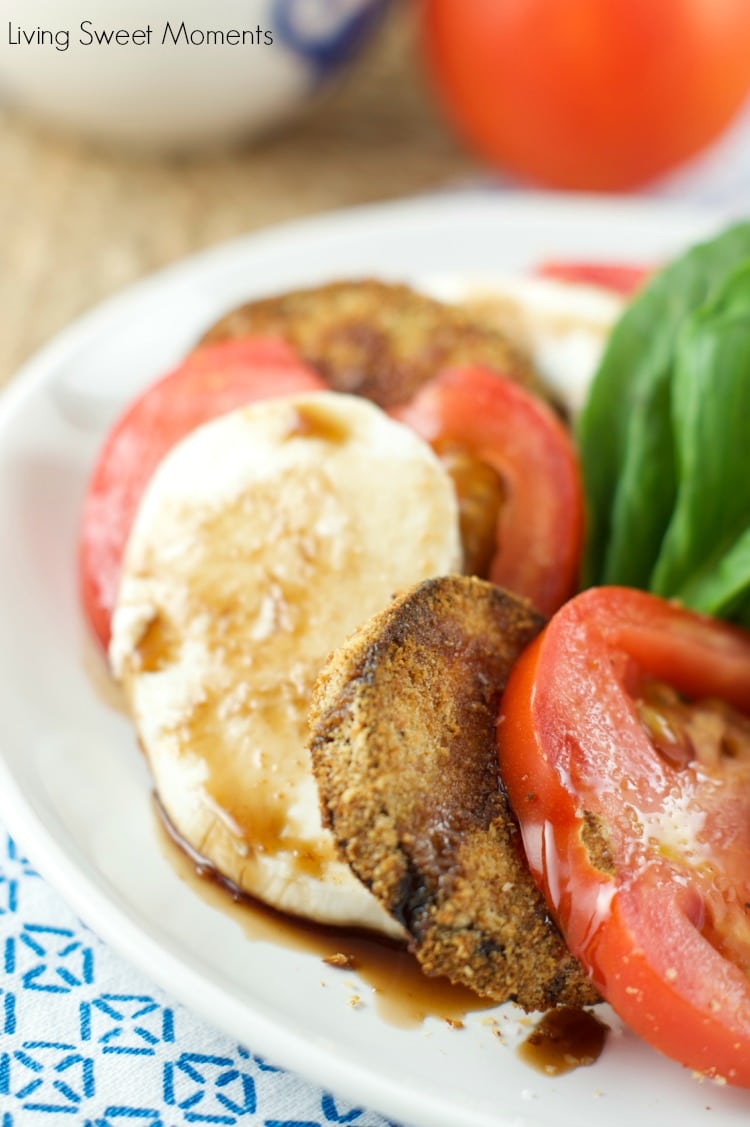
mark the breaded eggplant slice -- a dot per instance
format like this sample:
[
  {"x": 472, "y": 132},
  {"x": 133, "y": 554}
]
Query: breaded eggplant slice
[
  {"x": 403, "y": 748},
  {"x": 375, "y": 339}
]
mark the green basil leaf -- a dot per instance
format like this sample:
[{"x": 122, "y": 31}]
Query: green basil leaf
[
  {"x": 724, "y": 589},
  {"x": 624, "y": 432},
  {"x": 704, "y": 560},
  {"x": 742, "y": 614}
]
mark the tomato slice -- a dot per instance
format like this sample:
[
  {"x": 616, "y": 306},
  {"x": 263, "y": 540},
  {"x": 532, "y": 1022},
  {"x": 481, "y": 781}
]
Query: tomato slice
[
  {"x": 619, "y": 277},
  {"x": 537, "y": 531},
  {"x": 624, "y": 742},
  {"x": 212, "y": 381}
]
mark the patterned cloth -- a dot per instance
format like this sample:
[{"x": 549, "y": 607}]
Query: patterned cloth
[{"x": 86, "y": 1040}]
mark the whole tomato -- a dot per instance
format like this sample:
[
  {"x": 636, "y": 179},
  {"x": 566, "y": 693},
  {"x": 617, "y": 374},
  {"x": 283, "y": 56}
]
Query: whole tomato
[{"x": 588, "y": 94}]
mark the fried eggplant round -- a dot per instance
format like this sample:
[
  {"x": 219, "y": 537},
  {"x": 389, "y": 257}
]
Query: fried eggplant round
[
  {"x": 404, "y": 751},
  {"x": 377, "y": 339}
]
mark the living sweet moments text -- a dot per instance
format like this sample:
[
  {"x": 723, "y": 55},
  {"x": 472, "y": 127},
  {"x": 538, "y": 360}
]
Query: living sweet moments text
[{"x": 168, "y": 34}]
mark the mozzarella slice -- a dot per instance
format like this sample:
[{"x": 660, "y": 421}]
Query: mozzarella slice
[
  {"x": 264, "y": 539},
  {"x": 561, "y": 326}
]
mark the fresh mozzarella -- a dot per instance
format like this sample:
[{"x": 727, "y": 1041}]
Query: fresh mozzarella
[
  {"x": 264, "y": 539},
  {"x": 561, "y": 326}
]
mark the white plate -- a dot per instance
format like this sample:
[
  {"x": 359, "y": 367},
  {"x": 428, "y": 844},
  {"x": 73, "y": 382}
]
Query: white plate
[{"x": 73, "y": 788}]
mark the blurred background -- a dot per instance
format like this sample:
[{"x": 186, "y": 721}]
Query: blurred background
[
  {"x": 81, "y": 219},
  {"x": 85, "y": 211}
]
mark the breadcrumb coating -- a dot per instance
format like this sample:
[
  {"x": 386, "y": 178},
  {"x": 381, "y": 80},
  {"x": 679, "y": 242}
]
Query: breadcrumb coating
[{"x": 377, "y": 339}]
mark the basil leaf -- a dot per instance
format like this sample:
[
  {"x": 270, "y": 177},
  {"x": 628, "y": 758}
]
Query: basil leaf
[
  {"x": 724, "y": 589},
  {"x": 705, "y": 557},
  {"x": 624, "y": 432},
  {"x": 742, "y": 616}
]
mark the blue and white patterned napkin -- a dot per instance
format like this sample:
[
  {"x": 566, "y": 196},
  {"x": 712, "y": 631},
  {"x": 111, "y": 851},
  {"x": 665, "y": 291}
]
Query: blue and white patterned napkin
[{"x": 86, "y": 1040}]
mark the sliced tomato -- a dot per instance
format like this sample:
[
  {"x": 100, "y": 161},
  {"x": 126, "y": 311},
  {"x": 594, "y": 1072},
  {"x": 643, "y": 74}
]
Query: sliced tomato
[
  {"x": 210, "y": 382},
  {"x": 618, "y": 277},
  {"x": 624, "y": 742},
  {"x": 537, "y": 525}
]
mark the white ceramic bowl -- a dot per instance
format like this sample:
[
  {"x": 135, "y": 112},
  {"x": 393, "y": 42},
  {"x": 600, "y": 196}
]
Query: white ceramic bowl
[{"x": 205, "y": 74}]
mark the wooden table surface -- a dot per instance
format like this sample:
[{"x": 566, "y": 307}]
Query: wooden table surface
[{"x": 80, "y": 223}]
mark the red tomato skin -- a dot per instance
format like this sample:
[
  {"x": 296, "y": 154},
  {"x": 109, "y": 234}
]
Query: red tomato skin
[
  {"x": 635, "y": 932},
  {"x": 588, "y": 94},
  {"x": 540, "y": 529},
  {"x": 211, "y": 381},
  {"x": 617, "y": 277}
]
